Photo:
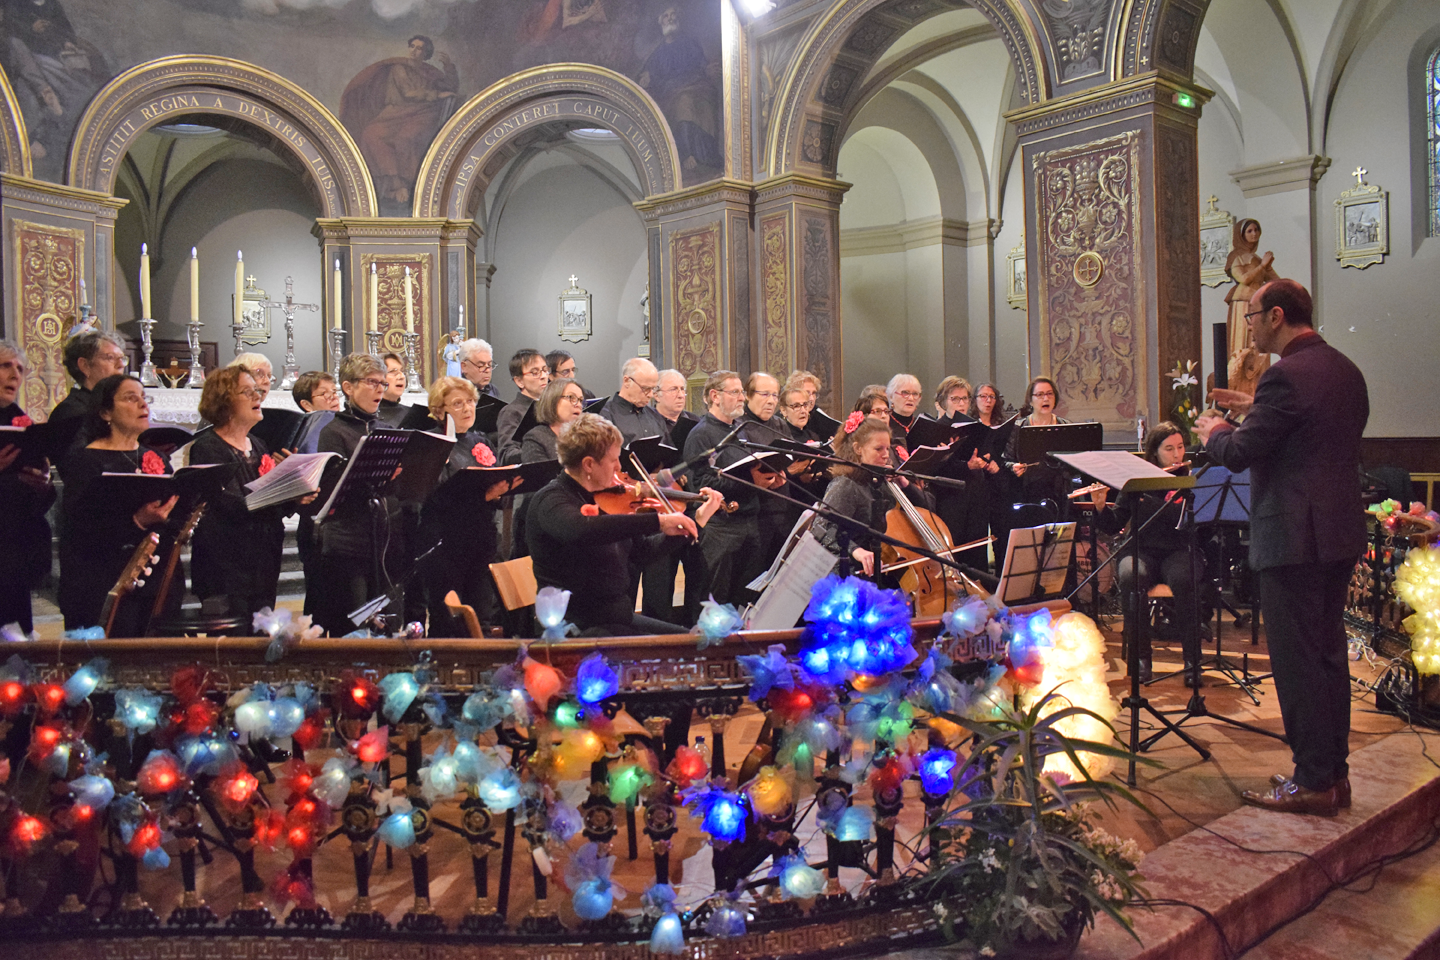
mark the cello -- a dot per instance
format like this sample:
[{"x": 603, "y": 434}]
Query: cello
[{"x": 932, "y": 584}]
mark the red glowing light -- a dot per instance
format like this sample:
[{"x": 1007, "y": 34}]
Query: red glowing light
[
  {"x": 790, "y": 704},
  {"x": 359, "y": 694},
  {"x": 11, "y": 691},
  {"x": 50, "y": 696},
  {"x": 83, "y": 812},
  {"x": 145, "y": 839},
  {"x": 160, "y": 773},
  {"x": 374, "y": 746},
  {"x": 44, "y": 741},
  {"x": 306, "y": 807},
  {"x": 886, "y": 777},
  {"x": 28, "y": 830},
  {"x": 238, "y": 788},
  {"x": 298, "y": 838},
  {"x": 688, "y": 765}
]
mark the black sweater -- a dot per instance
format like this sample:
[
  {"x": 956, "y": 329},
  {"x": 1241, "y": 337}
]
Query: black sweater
[
  {"x": 236, "y": 552},
  {"x": 589, "y": 556},
  {"x": 25, "y": 534}
]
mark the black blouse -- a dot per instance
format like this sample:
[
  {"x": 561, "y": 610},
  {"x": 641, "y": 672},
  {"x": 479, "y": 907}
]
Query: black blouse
[
  {"x": 25, "y": 534},
  {"x": 236, "y": 552}
]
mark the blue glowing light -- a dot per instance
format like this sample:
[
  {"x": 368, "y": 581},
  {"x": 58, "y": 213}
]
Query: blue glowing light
[
  {"x": 723, "y": 814},
  {"x": 83, "y": 682},
  {"x": 400, "y": 691},
  {"x": 595, "y": 680},
  {"x": 937, "y": 771},
  {"x": 855, "y": 627}
]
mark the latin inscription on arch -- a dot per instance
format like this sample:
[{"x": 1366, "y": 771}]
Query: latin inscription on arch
[
  {"x": 590, "y": 109},
  {"x": 175, "y": 104}
]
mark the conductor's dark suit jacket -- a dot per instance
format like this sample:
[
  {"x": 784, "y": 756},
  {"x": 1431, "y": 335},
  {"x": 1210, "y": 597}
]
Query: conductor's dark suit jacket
[{"x": 1301, "y": 442}]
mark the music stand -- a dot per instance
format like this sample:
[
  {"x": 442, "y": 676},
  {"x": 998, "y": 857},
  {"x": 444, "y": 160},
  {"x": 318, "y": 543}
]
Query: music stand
[
  {"x": 1133, "y": 477},
  {"x": 1037, "y": 560}
]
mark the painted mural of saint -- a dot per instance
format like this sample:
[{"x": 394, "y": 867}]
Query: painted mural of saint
[
  {"x": 394, "y": 108},
  {"x": 54, "y": 73},
  {"x": 685, "y": 83}
]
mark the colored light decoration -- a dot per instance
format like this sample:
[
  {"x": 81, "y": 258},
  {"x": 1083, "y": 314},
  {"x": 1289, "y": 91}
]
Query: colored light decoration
[
  {"x": 301, "y": 840},
  {"x": 147, "y": 837},
  {"x": 92, "y": 792},
  {"x": 767, "y": 671},
  {"x": 937, "y": 771},
  {"x": 717, "y": 622},
  {"x": 887, "y": 775},
  {"x": 668, "y": 937},
  {"x": 593, "y": 899},
  {"x": 400, "y": 690},
  {"x": 25, "y": 832},
  {"x": 627, "y": 781},
  {"x": 12, "y": 697},
  {"x": 438, "y": 779},
  {"x": 968, "y": 619},
  {"x": 499, "y": 789},
  {"x": 199, "y": 716},
  {"x": 726, "y": 921},
  {"x": 1074, "y": 666},
  {"x": 550, "y": 606},
  {"x": 770, "y": 795},
  {"x": 286, "y": 716},
  {"x": 799, "y": 880},
  {"x": 1417, "y": 582},
  {"x": 856, "y": 823},
  {"x": 205, "y": 754},
  {"x": 83, "y": 682},
  {"x": 333, "y": 784},
  {"x": 575, "y": 752},
  {"x": 791, "y": 704},
  {"x": 722, "y": 813},
  {"x": 567, "y": 715},
  {"x": 160, "y": 773},
  {"x": 894, "y": 722},
  {"x": 253, "y": 719},
  {"x": 43, "y": 742},
  {"x": 687, "y": 766},
  {"x": 374, "y": 746},
  {"x": 308, "y": 735},
  {"x": 49, "y": 697},
  {"x": 542, "y": 682},
  {"x": 398, "y": 829},
  {"x": 137, "y": 710},
  {"x": 238, "y": 788},
  {"x": 595, "y": 680},
  {"x": 855, "y": 627},
  {"x": 588, "y": 874}
]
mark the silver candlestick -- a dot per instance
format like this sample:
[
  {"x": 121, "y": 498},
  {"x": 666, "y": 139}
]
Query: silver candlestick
[
  {"x": 292, "y": 369},
  {"x": 372, "y": 341},
  {"x": 337, "y": 350},
  {"x": 238, "y": 330},
  {"x": 147, "y": 368},
  {"x": 412, "y": 379},
  {"x": 196, "y": 380}
]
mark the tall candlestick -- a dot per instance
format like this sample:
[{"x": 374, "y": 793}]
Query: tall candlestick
[
  {"x": 194, "y": 285},
  {"x": 461, "y": 324},
  {"x": 83, "y": 300},
  {"x": 409, "y": 306},
  {"x": 335, "y": 301},
  {"x": 374, "y": 323},
  {"x": 239, "y": 319},
  {"x": 144, "y": 280}
]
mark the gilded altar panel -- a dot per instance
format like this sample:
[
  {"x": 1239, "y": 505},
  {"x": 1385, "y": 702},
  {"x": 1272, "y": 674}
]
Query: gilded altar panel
[
  {"x": 1090, "y": 281},
  {"x": 695, "y": 293},
  {"x": 48, "y": 270},
  {"x": 775, "y": 293},
  {"x": 386, "y": 312}
]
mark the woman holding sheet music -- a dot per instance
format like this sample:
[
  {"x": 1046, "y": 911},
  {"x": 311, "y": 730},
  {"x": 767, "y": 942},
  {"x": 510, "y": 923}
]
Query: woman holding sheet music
[
  {"x": 27, "y": 493},
  {"x": 96, "y": 539},
  {"x": 463, "y": 527},
  {"x": 235, "y": 555}
]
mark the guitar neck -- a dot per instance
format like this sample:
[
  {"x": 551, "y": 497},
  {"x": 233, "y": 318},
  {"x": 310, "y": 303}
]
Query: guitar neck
[{"x": 129, "y": 579}]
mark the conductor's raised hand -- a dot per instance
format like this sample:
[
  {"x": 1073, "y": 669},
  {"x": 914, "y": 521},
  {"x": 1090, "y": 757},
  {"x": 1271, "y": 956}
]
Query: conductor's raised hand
[{"x": 1233, "y": 400}]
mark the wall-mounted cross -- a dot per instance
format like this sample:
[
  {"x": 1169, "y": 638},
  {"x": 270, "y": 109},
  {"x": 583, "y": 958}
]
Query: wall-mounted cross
[
  {"x": 573, "y": 280},
  {"x": 1212, "y": 200},
  {"x": 1359, "y": 174}
]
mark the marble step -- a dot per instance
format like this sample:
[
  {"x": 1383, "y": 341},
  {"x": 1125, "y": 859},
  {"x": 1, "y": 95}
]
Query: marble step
[{"x": 1396, "y": 796}]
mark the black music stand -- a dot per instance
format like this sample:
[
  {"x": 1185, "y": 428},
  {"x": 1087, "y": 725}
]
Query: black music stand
[
  {"x": 1222, "y": 499},
  {"x": 1133, "y": 477}
]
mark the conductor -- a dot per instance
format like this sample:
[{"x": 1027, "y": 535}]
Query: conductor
[{"x": 1301, "y": 441}]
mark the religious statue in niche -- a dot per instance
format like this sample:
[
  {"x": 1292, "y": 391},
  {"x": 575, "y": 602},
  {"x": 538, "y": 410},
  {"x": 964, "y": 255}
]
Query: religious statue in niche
[
  {"x": 1250, "y": 271},
  {"x": 686, "y": 85},
  {"x": 394, "y": 108},
  {"x": 450, "y": 353},
  {"x": 54, "y": 73}
]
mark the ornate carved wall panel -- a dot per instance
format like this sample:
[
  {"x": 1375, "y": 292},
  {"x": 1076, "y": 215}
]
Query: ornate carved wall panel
[
  {"x": 1076, "y": 32},
  {"x": 775, "y": 293},
  {"x": 1159, "y": 33},
  {"x": 1177, "y": 266},
  {"x": 819, "y": 315},
  {"x": 388, "y": 316},
  {"x": 695, "y": 279},
  {"x": 47, "y": 270},
  {"x": 739, "y": 263},
  {"x": 1090, "y": 277}
]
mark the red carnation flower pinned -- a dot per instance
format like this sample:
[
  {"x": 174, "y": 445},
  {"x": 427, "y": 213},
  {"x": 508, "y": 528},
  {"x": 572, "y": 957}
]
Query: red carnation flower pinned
[
  {"x": 483, "y": 455},
  {"x": 267, "y": 463},
  {"x": 151, "y": 463},
  {"x": 902, "y": 453},
  {"x": 22, "y": 421},
  {"x": 853, "y": 421},
  {"x": 589, "y": 510}
]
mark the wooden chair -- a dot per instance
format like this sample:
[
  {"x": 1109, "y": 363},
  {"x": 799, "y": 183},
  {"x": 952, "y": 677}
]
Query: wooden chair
[
  {"x": 464, "y": 612},
  {"x": 515, "y": 579}
]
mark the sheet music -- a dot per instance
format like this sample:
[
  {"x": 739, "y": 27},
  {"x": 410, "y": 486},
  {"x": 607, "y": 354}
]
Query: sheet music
[
  {"x": 1036, "y": 561},
  {"x": 788, "y": 594},
  {"x": 1123, "y": 470}
]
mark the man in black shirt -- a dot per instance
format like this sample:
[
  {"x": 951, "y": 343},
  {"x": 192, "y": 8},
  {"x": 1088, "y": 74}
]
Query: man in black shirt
[
  {"x": 731, "y": 542},
  {"x": 531, "y": 374},
  {"x": 477, "y": 364},
  {"x": 629, "y": 409}
]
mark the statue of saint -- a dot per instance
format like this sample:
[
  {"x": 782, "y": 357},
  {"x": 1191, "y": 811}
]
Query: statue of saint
[{"x": 1250, "y": 272}]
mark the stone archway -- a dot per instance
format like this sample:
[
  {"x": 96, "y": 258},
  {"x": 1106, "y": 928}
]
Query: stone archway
[
  {"x": 458, "y": 165},
  {"x": 14, "y": 142},
  {"x": 162, "y": 91}
]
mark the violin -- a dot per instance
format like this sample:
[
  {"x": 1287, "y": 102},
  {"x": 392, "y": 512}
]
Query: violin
[{"x": 628, "y": 496}]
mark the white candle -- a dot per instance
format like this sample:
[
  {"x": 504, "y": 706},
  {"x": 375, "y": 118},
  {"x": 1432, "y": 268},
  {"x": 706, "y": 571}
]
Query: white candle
[
  {"x": 194, "y": 285},
  {"x": 239, "y": 287},
  {"x": 461, "y": 324},
  {"x": 335, "y": 301},
  {"x": 83, "y": 301},
  {"x": 144, "y": 281},
  {"x": 374, "y": 298},
  {"x": 409, "y": 306}
]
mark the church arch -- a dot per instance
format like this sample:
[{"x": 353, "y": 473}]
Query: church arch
[
  {"x": 824, "y": 83},
  {"x": 14, "y": 142},
  {"x": 471, "y": 148},
  {"x": 162, "y": 91}
]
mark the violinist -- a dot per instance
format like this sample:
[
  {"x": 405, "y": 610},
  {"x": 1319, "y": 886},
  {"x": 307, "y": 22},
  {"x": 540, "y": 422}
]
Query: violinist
[
  {"x": 560, "y": 403},
  {"x": 574, "y": 547},
  {"x": 95, "y": 542},
  {"x": 27, "y": 493},
  {"x": 858, "y": 493},
  {"x": 465, "y": 532},
  {"x": 1167, "y": 554}
]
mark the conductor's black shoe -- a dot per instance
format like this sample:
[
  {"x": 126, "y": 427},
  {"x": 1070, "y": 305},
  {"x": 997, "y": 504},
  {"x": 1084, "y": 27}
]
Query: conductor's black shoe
[
  {"x": 1192, "y": 676},
  {"x": 1146, "y": 674}
]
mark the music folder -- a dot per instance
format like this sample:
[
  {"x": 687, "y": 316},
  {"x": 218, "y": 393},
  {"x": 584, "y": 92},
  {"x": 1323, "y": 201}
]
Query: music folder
[
  {"x": 421, "y": 461},
  {"x": 653, "y": 452},
  {"x": 535, "y": 474},
  {"x": 418, "y": 418},
  {"x": 928, "y": 460},
  {"x": 169, "y": 436},
  {"x": 822, "y": 424},
  {"x": 128, "y": 492},
  {"x": 41, "y": 441},
  {"x": 681, "y": 430},
  {"x": 278, "y": 428},
  {"x": 929, "y": 432},
  {"x": 1124, "y": 471},
  {"x": 487, "y": 413}
]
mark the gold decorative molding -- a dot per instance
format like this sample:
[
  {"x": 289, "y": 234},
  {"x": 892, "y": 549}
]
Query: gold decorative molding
[
  {"x": 159, "y": 90},
  {"x": 14, "y": 138},
  {"x": 49, "y": 265},
  {"x": 722, "y": 190},
  {"x": 27, "y": 190},
  {"x": 456, "y": 164},
  {"x": 387, "y": 229},
  {"x": 799, "y": 185},
  {"x": 1147, "y": 88}
]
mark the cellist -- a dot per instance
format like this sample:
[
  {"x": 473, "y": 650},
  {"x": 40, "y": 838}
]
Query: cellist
[{"x": 860, "y": 494}]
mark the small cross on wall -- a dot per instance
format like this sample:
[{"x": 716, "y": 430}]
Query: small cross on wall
[
  {"x": 1359, "y": 174},
  {"x": 573, "y": 280},
  {"x": 1212, "y": 200}
]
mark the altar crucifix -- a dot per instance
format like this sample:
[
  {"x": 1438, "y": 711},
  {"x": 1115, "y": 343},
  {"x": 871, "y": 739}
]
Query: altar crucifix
[{"x": 289, "y": 306}]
